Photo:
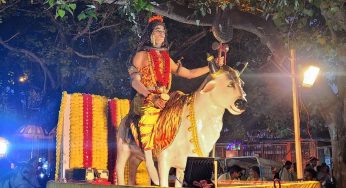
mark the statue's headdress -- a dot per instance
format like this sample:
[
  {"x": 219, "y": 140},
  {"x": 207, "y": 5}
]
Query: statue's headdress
[
  {"x": 156, "y": 18},
  {"x": 145, "y": 41}
]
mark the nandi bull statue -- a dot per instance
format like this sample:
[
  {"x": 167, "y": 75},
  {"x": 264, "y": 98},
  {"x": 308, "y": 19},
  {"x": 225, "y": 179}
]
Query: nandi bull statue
[{"x": 196, "y": 131}]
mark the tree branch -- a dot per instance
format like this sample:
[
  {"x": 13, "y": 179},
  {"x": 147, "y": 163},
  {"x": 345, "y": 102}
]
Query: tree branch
[
  {"x": 102, "y": 28},
  {"x": 15, "y": 35},
  {"x": 35, "y": 58},
  {"x": 262, "y": 28},
  {"x": 86, "y": 56},
  {"x": 190, "y": 42},
  {"x": 70, "y": 50},
  {"x": 8, "y": 6},
  {"x": 85, "y": 30}
]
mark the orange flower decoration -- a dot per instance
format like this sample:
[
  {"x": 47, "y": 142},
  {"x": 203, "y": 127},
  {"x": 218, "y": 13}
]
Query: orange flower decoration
[{"x": 154, "y": 18}]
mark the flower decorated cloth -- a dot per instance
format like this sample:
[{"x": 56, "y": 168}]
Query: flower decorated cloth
[{"x": 82, "y": 133}]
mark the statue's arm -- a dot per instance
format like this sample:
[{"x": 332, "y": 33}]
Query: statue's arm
[
  {"x": 179, "y": 70},
  {"x": 137, "y": 63}
]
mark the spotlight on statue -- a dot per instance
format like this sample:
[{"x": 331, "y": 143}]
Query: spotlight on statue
[{"x": 310, "y": 76}]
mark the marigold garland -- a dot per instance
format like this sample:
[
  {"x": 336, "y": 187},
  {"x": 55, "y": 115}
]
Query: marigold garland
[
  {"x": 142, "y": 175},
  {"x": 76, "y": 131},
  {"x": 193, "y": 128},
  {"x": 100, "y": 133},
  {"x": 86, "y": 111},
  {"x": 162, "y": 77},
  {"x": 87, "y": 131},
  {"x": 118, "y": 116}
]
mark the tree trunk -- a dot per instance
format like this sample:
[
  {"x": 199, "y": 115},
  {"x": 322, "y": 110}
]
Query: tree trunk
[
  {"x": 335, "y": 119},
  {"x": 337, "y": 132},
  {"x": 338, "y": 165}
]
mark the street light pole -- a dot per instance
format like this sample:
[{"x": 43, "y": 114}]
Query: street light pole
[{"x": 296, "y": 118}]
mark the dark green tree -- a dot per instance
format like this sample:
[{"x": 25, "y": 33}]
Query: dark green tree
[{"x": 64, "y": 43}]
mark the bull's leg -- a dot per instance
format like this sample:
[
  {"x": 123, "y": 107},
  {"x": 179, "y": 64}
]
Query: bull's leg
[
  {"x": 180, "y": 177},
  {"x": 123, "y": 153},
  {"x": 133, "y": 164},
  {"x": 149, "y": 162},
  {"x": 163, "y": 171}
]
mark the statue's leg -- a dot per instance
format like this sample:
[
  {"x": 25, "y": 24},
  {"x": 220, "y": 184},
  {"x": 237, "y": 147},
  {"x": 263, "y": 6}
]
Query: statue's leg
[
  {"x": 149, "y": 162},
  {"x": 123, "y": 153},
  {"x": 133, "y": 165},
  {"x": 163, "y": 171},
  {"x": 180, "y": 177}
]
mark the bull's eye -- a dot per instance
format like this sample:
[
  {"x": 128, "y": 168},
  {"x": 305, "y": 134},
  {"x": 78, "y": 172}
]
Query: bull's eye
[{"x": 231, "y": 84}]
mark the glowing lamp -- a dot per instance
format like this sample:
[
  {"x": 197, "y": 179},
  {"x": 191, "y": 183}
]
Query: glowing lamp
[
  {"x": 23, "y": 78},
  {"x": 3, "y": 147},
  {"x": 310, "y": 76}
]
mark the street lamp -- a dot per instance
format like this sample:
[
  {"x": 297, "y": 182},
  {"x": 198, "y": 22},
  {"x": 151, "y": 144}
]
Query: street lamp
[{"x": 309, "y": 78}]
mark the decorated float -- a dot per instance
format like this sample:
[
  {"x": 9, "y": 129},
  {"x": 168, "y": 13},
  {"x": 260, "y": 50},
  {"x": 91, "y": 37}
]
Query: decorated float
[
  {"x": 85, "y": 149},
  {"x": 85, "y": 139}
]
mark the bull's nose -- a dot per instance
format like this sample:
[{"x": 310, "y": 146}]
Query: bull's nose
[{"x": 240, "y": 104}]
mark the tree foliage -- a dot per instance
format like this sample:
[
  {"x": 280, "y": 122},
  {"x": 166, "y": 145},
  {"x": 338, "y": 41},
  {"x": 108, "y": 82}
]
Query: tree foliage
[
  {"x": 72, "y": 31},
  {"x": 85, "y": 46}
]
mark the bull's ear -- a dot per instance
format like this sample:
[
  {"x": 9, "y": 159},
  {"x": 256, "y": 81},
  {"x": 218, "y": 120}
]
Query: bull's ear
[{"x": 208, "y": 87}]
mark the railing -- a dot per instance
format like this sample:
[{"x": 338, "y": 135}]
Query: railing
[{"x": 277, "y": 151}]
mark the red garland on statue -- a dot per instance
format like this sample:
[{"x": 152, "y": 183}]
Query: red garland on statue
[{"x": 162, "y": 78}]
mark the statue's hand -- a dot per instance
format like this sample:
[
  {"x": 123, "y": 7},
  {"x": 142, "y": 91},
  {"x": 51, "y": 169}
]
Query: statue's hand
[{"x": 159, "y": 102}]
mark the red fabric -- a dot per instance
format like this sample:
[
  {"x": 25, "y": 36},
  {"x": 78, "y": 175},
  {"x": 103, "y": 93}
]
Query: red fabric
[
  {"x": 113, "y": 109},
  {"x": 101, "y": 181},
  {"x": 113, "y": 113},
  {"x": 87, "y": 131}
]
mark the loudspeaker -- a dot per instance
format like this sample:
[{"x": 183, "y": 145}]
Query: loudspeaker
[
  {"x": 83, "y": 174},
  {"x": 200, "y": 168}
]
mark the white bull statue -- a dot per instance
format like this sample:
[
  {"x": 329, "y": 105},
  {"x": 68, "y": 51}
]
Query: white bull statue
[{"x": 220, "y": 91}]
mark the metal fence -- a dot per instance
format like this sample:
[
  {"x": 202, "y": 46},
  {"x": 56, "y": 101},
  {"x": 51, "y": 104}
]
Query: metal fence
[{"x": 272, "y": 150}]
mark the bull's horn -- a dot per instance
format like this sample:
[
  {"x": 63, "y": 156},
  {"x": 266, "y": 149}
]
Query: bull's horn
[{"x": 244, "y": 67}]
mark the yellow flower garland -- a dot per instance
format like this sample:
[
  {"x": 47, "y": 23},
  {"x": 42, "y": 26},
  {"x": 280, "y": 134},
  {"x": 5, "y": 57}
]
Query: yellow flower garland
[
  {"x": 193, "y": 128},
  {"x": 59, "y": 134},
  {"x": 76, "y": 131},
  {"x": 99, "y": 133},
  {"x": 117, "y": 111}
]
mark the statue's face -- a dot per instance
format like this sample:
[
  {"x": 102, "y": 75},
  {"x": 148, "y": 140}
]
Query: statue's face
[{"x": 158, "y": 35}]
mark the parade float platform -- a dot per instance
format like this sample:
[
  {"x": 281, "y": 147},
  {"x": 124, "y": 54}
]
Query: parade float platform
[{"x": 237, "y": 184}]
